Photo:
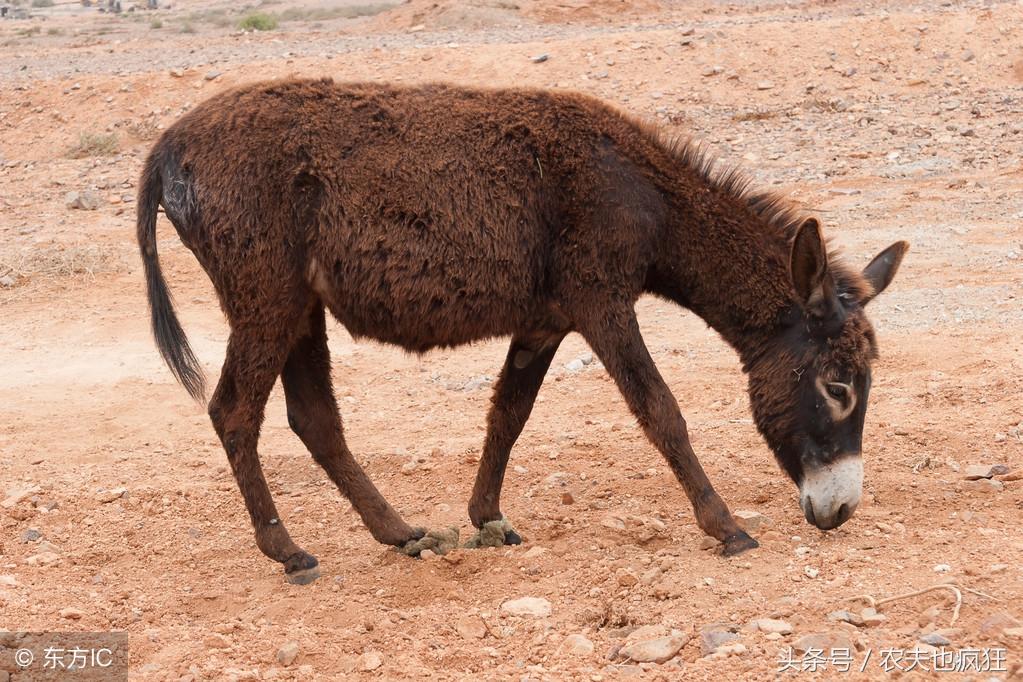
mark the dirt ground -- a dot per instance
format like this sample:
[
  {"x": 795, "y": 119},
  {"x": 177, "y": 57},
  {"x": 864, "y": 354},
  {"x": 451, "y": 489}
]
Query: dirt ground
[{"x": 893, "y": 120}]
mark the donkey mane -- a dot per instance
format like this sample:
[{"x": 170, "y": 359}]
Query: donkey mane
[{"x": 779, "y": 213}]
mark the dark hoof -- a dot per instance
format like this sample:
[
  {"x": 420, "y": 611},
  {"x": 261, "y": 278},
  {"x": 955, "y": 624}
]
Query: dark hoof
[
  {"x": 301, "y": 569},
  {"x": 512, "y": 538},
  {"x": 738, "y": 543}
]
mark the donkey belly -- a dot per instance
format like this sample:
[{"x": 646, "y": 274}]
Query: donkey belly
[{"x": 424, "y": 293}]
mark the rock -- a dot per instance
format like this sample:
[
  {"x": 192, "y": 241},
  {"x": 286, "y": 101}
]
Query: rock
[
  {"x": 823, "y": 641},
  {"x": 998, "y": 623},
  {"x": 86, "y": 200},
  {"x": 8, "y": 581},
  {"x": 574, "y": 365},
  {"x": 7, "y": 281},
  {"x": 765, "y": 85},
  {"x": 976, "y": 472},
  {"x": 534, "y": 552},
  {"x": 934, "y": 639},
  {"x": 537, "y": 607},
  {"x": 1013, "y": 632},
  {"x": 772, "y": 625},
  {"x": 967, "y": 55},
  {"x": 287, "y": 654},
  {"x": 567, "y": 498},
  {"x": 576, "y": 645},
  {"x": 71, "y": 613},
  {"x": 215, "y": 640},
  {"x": 17, "y": 494},
  {"x": 714, "y": 637},
  {"x": 43, "y": 559},
  {"x": 371, "y": 660},
  {"x": 984, "y": 485},
  {"x": 751, "y": 521},
  {"x": 31, "y": 535},
  {"x": 471, "y": 627},
  {"x": 660, "y": 650},
  {"x": 107, "y": 496},
  {"x": 540, "y": 58},
  {"x": 942, "y": 568},
  {"x": 844, "y": 616},
  {"x": 871, "y": 617},
  {"x": 712, "y": 71},
  {"x": 177, "y": 73},
  {"x": 212, "y": 75}
]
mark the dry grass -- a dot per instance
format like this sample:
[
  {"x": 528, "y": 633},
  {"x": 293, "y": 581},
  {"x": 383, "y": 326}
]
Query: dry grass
[
  {"x": 75, "y": 261},
  {"x": 94, "y": 144},
  {"x": 754, "y": 115}
]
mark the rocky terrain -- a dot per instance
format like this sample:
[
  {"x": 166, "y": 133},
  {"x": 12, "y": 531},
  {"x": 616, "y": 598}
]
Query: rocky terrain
[{"x": 890, "y": 120}]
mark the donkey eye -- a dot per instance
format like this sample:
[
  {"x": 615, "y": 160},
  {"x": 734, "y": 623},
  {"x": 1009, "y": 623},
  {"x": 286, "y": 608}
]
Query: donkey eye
[{"x": 838, "y": 391}]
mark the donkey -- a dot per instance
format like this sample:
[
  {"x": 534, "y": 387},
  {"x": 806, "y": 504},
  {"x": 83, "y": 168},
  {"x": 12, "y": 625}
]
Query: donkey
[{"x": 434, "y": 216}]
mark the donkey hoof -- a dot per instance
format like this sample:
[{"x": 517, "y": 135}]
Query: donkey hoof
[
  {"x": 738, "y": 543},
  {"x": 494, "y": 534},
  {"x": 438, "y": 541},
  {"x": 301, "y": 569}
]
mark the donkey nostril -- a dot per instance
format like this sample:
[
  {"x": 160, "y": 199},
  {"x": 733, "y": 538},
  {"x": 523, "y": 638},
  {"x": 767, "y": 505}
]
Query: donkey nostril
[
  {"x": 844, "y": 512},
  {"x": 811, "y": 518}
]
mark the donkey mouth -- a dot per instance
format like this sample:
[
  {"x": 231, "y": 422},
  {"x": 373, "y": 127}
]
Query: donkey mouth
[{"x": 830, "y": 493}]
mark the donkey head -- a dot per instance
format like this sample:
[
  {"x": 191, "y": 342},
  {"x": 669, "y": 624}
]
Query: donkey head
[{"x": 809, "y": 388}]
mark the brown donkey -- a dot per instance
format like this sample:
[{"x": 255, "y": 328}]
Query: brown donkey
[{"x": 435, "y": 216}]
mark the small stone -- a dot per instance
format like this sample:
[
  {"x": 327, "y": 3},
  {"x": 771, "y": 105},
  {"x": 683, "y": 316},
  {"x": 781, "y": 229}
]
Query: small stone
[
  {"x": 287, "y": 654},
  {"x": 751, "y": 521},
  {"x": 7, "y": 281},
  {"x": 471, "y": 627},
  {"x": 534, "y": 552},
  {"x": 976, "y": 472},
  {"x": 537, "y": 607},
  {"x": 371, "y": 660},
  {"x": 773, "y": 625},
  {"x": 712, "y": 71},
  {"x": 984, "y": 485},
  {"x": 574, "y": 365},
  {"x": 540, "y": 58},
  {"x": 1013, "y": 632},
  {"x": 934, "y": 639},
  {"x": 707, "y": 542},
  {"x": 942, "y": 568},
  {"x": 967, "y": 55},
  {"x": 31, "y": 535},
  {"x": 17, "y": 494},
  {"x": 627, "y": 579},
  {"x": 823, "y": 641},
  {"x": 86, "y": 200},
  {"x": 212, "y": 75},
  {"x": 566, "y": 498},
  {"x": 408, "y": 467},
  {"x": 765, "y": 85},
  {"x": 998, "y": 623},
  {"x": 847, "y": 617},
  {"x": 576, "y": 645},
  {"x": 712, "y": 638},
  {"x": 177, "y": 73},
  {"x": 871, "y": 618},
  {"x": 71, "y": 613},
  {"x": 8, "y": 581},
  {"x": 427, "y": 554},
  {"x": 215, "y": 640},
  {"x": 107, "y": 496},
  {"x": 660, "y": 650}
]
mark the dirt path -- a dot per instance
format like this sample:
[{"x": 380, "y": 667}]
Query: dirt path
[{"x": 893, "y": 120}]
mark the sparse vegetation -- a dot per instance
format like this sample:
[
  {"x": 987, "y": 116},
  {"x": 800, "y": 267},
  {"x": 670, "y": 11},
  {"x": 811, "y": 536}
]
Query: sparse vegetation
[
  {"x": 54, "y": 31},
  {"x": 156, "y": 24},
  {"x": 94, "y": 144},
  {"x": 258, "y": 21},
  {"x": 42, "y": 3},
  {"x": 30, "y": 31},
  {"x": 187, "y": 28},
  {"x": 327, "y": 13},
  {"x": 754, "y": 115}
]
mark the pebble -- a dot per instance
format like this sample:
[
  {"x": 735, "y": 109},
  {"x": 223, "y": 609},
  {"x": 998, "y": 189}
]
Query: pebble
[
  {"x": 212, "y": 75},
  {"x": 7, "y": 580},
  {"x": 577, "y": 645},
  {"x": 660, "y": 650},
  {"x": 934, "y": 639},
  {"x": 871, "y": 617},
  {"x": 540, "y": 58},
  {"x": 772, "y": 625},
  {"x": 7, "y": 281},
  {"x": 713, "y": 637},
  {"x": 975, "y": 472},
  {"x": 537, "y": 607},
  {"x": 942, "y": 568},
  {"x": 177, "y": 73},
  {"x": 984, "y": 485},
  {"x": 847, "y": 617},
  {"x": 17, "y": 494},
  {"x": 71, "y": 613},
  {"x": 998, "y": 623},
  {"x": 751, "y": 521},
  {"x": 471, "y": 627},
  {"x": 567, "y": 498},
  {"x": 216, "y": 640},
  {"x": 107, "y": 496},
  {"x": 712, "y": 71},
  {"x": 371, "y": 660},
  {"x": 31, "y": 535},
  {"x": 765, "y": 85},
  {"x": 287, "y": 654},
  {"x": 86, "y": 200}
]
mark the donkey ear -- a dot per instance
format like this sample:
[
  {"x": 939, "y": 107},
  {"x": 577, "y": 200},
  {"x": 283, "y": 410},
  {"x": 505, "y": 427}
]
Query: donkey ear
[
  {"x": 881, "y": 271},
  {"x": 808, "y": 265}
]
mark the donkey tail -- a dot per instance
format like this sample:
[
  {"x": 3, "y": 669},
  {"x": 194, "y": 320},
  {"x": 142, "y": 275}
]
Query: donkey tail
[{"x": 170, "y": 337}]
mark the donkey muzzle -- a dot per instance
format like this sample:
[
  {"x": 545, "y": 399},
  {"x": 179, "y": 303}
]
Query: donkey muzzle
[{"x": 830, "y": 493}]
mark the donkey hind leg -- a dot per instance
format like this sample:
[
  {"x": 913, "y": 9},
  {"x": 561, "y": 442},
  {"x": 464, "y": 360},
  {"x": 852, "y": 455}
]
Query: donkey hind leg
[
  {"x": 523, "y": 373},
  {"x": 314, "y": 417},
  {"x": 617, "y": 342},
  {"x": 254, "y": 359}
]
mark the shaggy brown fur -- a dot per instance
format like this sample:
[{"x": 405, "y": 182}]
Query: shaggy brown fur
[{"x": 434, "y": 216}]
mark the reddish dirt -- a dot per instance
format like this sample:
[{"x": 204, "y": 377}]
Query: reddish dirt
[{"x": 893, "y": 120}]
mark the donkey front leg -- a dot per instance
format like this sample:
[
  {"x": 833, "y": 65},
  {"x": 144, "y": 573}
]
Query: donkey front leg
[
  {"x": 314, "y": 417},
  {"x": 250, "y": 370},
  {"x": 524, "y": 369},
  {"x": 616, "y": 339}
]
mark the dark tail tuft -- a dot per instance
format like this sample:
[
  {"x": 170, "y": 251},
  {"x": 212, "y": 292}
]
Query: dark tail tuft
[{"x": 170, "y": 337}]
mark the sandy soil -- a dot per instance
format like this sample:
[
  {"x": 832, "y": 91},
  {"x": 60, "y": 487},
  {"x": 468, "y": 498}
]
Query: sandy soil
[{"x": 895, "y": 120}]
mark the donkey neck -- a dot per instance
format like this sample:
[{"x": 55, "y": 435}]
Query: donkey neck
[{"x": 727, "y": 264}]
